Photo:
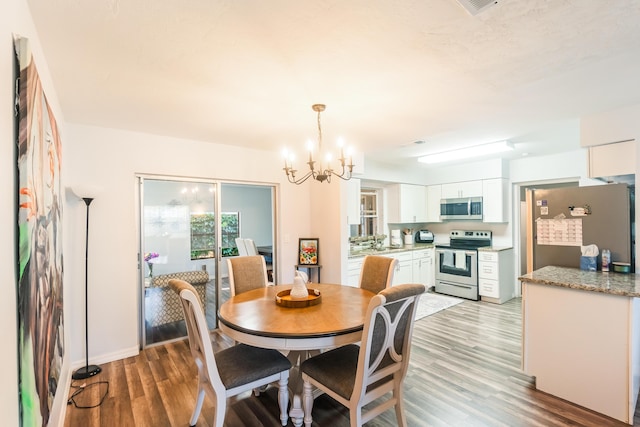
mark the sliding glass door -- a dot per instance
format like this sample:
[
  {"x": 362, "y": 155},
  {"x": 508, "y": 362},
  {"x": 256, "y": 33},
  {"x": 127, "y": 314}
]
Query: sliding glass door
[
  {"x": 178, "y": 240},
  {"x": 188, "y": 229}
]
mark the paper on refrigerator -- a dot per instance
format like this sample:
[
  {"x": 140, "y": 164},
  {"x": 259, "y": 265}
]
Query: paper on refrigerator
[{"x": 559, "y": 232}]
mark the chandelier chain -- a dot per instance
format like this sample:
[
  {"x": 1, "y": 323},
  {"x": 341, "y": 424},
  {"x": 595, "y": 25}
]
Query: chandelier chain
[{"x": 319, "y": 134}]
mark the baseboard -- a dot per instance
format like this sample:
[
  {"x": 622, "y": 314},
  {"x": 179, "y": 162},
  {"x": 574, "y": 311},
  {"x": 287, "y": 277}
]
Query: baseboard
[
  {"x": 106, "y": 358},
  {"x": 59, "y": 408}
]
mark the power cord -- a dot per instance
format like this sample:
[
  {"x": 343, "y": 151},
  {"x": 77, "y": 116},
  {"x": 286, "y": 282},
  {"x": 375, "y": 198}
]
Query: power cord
[{"x": 79, "y": 389}]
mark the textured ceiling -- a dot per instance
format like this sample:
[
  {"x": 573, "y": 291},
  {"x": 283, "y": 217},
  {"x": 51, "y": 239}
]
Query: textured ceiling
[{"x": 391, "y": 72}]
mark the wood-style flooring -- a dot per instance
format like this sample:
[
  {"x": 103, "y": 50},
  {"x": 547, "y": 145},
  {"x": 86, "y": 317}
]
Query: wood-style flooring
[{"x": 464, "y": 371}]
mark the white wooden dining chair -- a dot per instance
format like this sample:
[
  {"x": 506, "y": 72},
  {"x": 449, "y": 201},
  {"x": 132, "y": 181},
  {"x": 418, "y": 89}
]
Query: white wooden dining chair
[
  {"x": 242, "y": 248},
  {"x": 376, "y": 273},
  {"x": 356, "y": 375},
  {"x": 250, "y": 244},
  {"x": 231, "y": 371}
]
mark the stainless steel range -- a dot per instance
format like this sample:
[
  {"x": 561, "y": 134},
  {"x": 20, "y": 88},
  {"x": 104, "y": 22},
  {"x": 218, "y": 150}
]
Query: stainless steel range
[{"x": 457, "y": 263}]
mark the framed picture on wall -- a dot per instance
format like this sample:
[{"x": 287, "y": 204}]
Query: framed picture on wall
[{"x": 308, "y": 251}]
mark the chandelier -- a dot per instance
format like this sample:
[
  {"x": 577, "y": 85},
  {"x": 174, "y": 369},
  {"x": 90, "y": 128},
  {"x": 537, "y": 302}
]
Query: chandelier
[{"x": 322, "y": 172}]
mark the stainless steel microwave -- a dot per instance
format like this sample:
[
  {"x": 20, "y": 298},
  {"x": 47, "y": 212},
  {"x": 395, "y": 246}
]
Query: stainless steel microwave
[{"x": 465, "y": 208}]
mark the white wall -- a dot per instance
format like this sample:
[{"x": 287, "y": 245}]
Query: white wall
[
  {"x": 563, "y": 166},
  {"x": 328, "y": 220},
  {"x": 254, "y": 205},
  {"x": 110, "y": 159}
]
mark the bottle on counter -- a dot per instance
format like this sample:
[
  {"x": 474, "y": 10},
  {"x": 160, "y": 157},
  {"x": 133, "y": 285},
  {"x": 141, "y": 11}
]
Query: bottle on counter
[{"x": 606, "y": 259}]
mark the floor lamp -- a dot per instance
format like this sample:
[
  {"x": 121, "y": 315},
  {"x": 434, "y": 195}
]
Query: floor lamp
[{"x": 87, "y": 370}]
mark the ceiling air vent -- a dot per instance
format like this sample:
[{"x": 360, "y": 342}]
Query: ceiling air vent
[{"x": 476, "y": 6}]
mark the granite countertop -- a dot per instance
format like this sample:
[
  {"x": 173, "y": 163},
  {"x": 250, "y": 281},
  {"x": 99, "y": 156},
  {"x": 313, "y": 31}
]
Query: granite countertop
[
  {"x": 627, "y": 285},
  {"x": 390, "y": 250},
  {"x": 495, "y": 248}
]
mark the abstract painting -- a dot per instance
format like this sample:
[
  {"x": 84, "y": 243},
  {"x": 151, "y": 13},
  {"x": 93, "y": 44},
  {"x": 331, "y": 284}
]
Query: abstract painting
[{"x": 39, "y": 198}]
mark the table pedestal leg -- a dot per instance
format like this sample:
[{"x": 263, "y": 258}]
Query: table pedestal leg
[{"x": 296, "y": 413}]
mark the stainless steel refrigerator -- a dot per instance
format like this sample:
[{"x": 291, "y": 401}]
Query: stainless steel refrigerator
[{"x": 561, "y": 220}]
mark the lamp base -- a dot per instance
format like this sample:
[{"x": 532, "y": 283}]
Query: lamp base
[{"x": 86, "y": 372}]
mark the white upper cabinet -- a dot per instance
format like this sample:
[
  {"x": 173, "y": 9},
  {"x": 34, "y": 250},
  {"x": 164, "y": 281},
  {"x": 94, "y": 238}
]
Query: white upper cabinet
[
  {"x": 462, "y": 189},
  {"x": 612, "y": 159},
  {"x": 353, "y": 201},
  {"x": 406, "y": 203},
  {"x": 609, "y": 127},
  {"x": 434, "y": 194},
  {"x": 495, "y": 196}
]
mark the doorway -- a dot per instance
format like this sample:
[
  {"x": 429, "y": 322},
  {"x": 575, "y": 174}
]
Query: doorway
[
  {"x": 188, "y": 228},
  {"x": 525, "y": 222}
]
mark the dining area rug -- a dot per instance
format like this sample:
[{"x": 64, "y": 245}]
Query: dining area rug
[{"x": 431, "y": 303}]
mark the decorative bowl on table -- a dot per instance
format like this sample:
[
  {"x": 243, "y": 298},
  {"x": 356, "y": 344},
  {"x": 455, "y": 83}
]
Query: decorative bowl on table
[{"x": 283, "y": 299}]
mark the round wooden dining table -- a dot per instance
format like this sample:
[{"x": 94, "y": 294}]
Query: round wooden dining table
[{"x": 255, "y": 319}]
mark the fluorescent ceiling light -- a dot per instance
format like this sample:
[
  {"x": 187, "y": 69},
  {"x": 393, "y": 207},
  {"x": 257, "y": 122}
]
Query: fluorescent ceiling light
[{"x": 465, "y": 153}]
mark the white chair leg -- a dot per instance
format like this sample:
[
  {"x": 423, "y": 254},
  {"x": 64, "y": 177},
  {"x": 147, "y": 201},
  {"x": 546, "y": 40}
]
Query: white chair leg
[
  {"x": 307, "y": 403},
  {"x": 198, "y": 408},
  {"x": 220, "y": 411},
  {"x": 283, "y": 397}
]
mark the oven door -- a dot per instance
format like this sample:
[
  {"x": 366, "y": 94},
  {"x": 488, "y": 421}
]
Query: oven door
[{"x": 457, "y": 272}]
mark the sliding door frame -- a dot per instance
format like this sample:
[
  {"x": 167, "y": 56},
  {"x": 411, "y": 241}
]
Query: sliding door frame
[{"x": 217, "y": 185}]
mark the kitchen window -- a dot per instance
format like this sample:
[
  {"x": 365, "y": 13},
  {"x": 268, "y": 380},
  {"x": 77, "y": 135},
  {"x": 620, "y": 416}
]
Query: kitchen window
[{"x": 368, "y": 212}]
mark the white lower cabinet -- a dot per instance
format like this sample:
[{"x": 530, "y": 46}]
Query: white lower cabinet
[
  {"x": 415, "y": 266},
  {"x": 423, "y": 271},
  {"x": 353, "y": 271},
  {"x": 404, "y": 268},
  {"x": 496, "y": 280}
]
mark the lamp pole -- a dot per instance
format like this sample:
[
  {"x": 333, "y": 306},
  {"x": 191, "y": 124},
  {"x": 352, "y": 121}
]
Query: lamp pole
[{"x": 87, "y": 370}]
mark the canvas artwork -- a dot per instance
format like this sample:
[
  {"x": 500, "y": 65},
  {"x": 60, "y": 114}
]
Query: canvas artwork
[{"x": 40, "y": 327}]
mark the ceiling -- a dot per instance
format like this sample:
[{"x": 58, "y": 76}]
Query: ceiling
[{"x": 390, "y": 72}]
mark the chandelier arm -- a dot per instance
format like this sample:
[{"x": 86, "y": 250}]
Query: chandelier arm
[
  {"x": 301, "y": 180},
  {"x": 342, "y": 177}
]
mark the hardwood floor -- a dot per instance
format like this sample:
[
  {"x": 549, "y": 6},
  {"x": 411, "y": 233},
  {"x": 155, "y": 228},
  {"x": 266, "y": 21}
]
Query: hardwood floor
[{"x": 464, "y": 371}]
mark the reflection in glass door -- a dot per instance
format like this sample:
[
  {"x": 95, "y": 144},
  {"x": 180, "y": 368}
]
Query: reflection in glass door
[{"x": 178, "y": 240}]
